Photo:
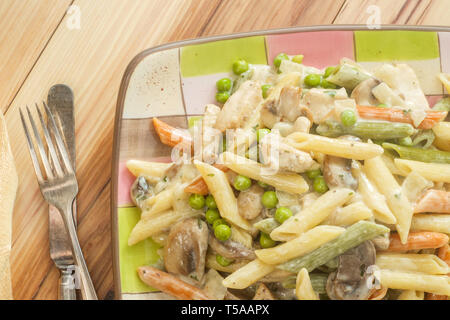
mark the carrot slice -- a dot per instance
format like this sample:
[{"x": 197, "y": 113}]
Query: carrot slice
[
  {"x": 444, "y": 254},
  {"x": 398, "y": 115},
  {"x": 417, "y": 241},
  {"x": 437, "y": 201},
  {"x": 198, "y": 186},
  {"x": 171, "y": 136},
  {"x": 170, "y": 284}
]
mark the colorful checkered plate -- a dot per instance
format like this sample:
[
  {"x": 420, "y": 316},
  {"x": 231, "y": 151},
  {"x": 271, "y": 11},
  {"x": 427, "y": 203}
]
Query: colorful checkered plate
[{"x": 174, "y": 82}]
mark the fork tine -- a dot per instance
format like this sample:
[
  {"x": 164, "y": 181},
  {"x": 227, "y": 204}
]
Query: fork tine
[
  {"x": 51, "y": 148},
  {"x": 59, "y": 141},
  {"x": 42, "y": 152},
  {"x": 33, "y": 155}
]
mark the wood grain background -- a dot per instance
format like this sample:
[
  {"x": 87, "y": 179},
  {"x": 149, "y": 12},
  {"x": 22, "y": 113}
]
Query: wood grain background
[{"x": 39, "y": 49}]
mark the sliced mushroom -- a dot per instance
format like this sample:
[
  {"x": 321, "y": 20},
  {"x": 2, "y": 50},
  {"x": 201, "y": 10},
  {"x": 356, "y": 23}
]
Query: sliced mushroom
[
  {"x": 363, "y": 92},
  {"x": 231, "y": 249},
  {"x": 263, "y": 293},
  {"x": 140, "y": 190},
  {"x": 249, "y": 202},
  {"x": 186, "y": 247},
  {"x": 349, "y": 281}
]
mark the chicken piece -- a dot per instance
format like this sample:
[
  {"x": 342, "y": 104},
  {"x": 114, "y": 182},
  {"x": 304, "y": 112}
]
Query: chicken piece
[
  {"x": 249, "y": 202},
  {"x": 240, "y": 106},
  {"x": 277, "y": 154},
  {"x": 363, "y": 93},
  {"x": 321, "y": 101}
]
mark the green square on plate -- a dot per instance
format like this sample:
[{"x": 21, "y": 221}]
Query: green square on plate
[
  {"x": 396, "y": 45},
  {"x": 218, "y": 56},
  {"x": 132, "y": 257}
]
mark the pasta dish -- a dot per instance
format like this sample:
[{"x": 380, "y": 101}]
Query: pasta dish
[{"x": 301, "y": 183}]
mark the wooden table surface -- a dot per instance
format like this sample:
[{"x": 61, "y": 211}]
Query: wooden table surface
[{"x": 88, "y": 48}]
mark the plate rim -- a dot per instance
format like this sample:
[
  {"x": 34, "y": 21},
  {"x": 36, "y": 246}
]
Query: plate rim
[{"x": 186, "y": 42}]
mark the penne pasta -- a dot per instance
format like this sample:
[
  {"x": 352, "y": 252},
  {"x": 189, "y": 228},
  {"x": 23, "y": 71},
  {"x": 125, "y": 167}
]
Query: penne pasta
[
  {"x": 161, "y": 202},
  {"x": 241, "y": 236},
  {"x": 349, "y": 215},
  {"x": 248, "y": 274},
  {"x": 431, "y": 222},
  {"x": 154, "y": 225},
  {"x": 335, "y": 147},
  {"x": 442, "y": 135},
  {"x": 411, "y": 295},
  {"x": 303, "y": 287},
  {"x": 436, "y": 201},
  {"x": 299, "y": 246},
  {"x": 411, "y": 262},
  {"x": 379, "y": 174},
  {"x": 220, "y": 188},
  {"x": 288, "y": 182},
  {"x": 437, "y": 284},
  {"x": 312, "y": 215},
  {"x": 372, "y": 197},
  {"x": 439, "y": 172},
  {"x": 147, "y": 169},
  {"x": 414, "y": 185}
]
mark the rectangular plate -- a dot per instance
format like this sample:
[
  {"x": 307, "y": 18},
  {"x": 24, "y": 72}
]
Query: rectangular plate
[{"x": 175, "y": 81}]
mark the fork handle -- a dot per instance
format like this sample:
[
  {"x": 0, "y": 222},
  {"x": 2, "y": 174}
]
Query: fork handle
[
  {"x": 86, "y": 287},
  {"x": 66, "y": 285}
]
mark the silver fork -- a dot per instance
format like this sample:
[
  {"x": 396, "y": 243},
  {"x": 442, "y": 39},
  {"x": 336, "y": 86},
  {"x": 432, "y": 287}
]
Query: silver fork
[{"x": 59, "y": 186}]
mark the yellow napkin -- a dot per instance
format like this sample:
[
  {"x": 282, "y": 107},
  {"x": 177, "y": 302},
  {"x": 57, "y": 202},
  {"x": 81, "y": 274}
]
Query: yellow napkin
[{"x": 8, "y": 188}]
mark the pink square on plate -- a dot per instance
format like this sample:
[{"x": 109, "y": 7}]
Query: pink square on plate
[
  {"x": 320, "y": 48},
  {"x": 126, "y": 180}
]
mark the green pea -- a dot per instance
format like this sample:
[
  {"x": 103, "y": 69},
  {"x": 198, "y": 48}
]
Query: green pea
[
  {"x": 313, "y": 80},
  {"x": 218, "y": 222},
  {"x": 263, "y": 185},
  {"x": 313, "y": 173},
  {"x": 222, "y": 97},
  {"x": 212, "y": 215},
  {"x": 348, "y": 118},
  {"x": 196, "y": 201},
  {"x": 242, "y": 183},
  {"x": 327, "y": 85},
  {"x": 222, "y": 232},
  {"x": 282, "y": 214},
  {"x": 329, "y": 71},
  {"x": 265, "y": 88},
  {"x": 319, "y": 185},
  {"x": 266, "y": 241},
  {"x": 298, "y": 58},
  {"x": 211, "y": 202},
  {"x": 261, "y": 133},
  {"x": 224, "y": 262},
  {"x": 240, "y": 66},
  {"x": 280, "y": 57},
  {"x": 223, "y": 84},
  {"x": 269, "y": 199},
  {"x": 406, "y": 141}
]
